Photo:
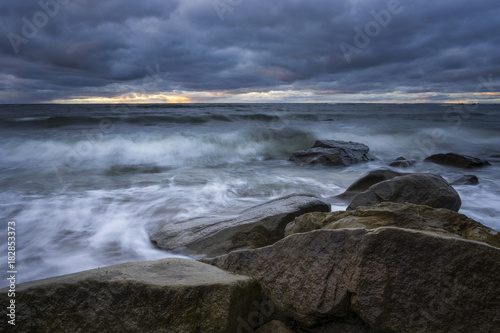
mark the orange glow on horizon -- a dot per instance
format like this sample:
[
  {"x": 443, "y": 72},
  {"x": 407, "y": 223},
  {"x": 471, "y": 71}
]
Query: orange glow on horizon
[
  {"x": 286, "y": 96},
  {"x": 132, "y": 98},
  {"x": 488, "y": 94}
]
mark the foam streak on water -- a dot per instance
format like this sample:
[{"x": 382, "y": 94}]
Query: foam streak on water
[{"x": 86, "y": 183}]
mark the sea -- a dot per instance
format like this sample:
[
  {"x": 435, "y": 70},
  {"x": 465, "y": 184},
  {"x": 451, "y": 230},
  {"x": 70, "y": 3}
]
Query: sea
[{"x": 84, "y": 184}]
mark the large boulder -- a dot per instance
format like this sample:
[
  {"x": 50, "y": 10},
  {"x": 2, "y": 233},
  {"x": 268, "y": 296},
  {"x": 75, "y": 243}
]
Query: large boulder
[
  {"x": 371, "y": 178},
  {"x": 457, "y": 160},
  {"x": 171, "y": 295},
  {"x": 255, "y": 227},
  {"x": 408, "y": 216},
  {"x": 306, "y": 277},
  {"x": 395, "y": 280},
  {"x": 333, "y": 152},
  {"x": 422, "y": 189}
]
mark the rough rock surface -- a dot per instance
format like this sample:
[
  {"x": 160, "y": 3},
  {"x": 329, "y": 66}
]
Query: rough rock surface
[
  {"x": 402, "y": 162},
  {"x": 423, "y": 189},
  {"x": 457, "y": 160},
  {"x": 348, "y": 325},
  {"x": 171, "y": 295},
  {"x": 274, "y": 326},
  {"x": 255, "y": 227},
  {"x": 408, "y": 216},
  {"x": 306, "y": 276},
  {"x": 333, "y": 152},
  {"x": 395, "y": 280},
  {"x": 371, "y": 178},
  {"x": 466, "y": 180}
]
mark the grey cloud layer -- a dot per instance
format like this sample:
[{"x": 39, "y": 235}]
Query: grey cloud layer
[{"x": 102, "y": 48}]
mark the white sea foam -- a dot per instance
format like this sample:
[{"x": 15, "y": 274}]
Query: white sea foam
[{"x": 82, "y": 201}]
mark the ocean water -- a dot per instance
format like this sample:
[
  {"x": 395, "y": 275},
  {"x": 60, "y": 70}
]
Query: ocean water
[{"x": 85, "y": 183}]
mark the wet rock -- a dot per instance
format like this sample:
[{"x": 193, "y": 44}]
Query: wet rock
[
  {"x": 334, "y": 153},
  {"x": 408, "y": 216},
  {"x": 395, "y": 280},
  {"x": 466, "y": 180},
  {"x": 422, "y": 189},
  {"x": 294, "y": 274},
  {"x": 402, "y": 162},
  {"x": 255, "y": 227},
  {"x": 171, "y": 295},
  {"x": 457, "y": 160},
  {"x": 371, "y": 178}
]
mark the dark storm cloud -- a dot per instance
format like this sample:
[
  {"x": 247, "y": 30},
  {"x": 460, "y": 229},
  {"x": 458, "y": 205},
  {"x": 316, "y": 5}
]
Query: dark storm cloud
[{"x": 83, "y": 48}]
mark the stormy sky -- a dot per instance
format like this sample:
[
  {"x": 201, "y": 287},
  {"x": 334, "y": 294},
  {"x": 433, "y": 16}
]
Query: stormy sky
[{"x": 249, "y": 51}]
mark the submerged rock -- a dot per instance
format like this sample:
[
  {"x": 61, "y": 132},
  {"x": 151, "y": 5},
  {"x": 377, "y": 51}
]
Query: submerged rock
[
  {"x": 461, "y": 161},
  {"x": 395, "y": 280},
  {"x": 255, "y": 227},
  {"x": 170, "y": 295},
  {"x": 402, "y": 162},
  {"x": 408, "y": 216},
  {"x": 422, "y": 189},
  {"x": 333, "y": 152},
  {"x": 466, "y": 180}
]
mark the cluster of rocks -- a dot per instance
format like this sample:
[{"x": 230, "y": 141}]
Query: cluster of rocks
[
  {"x": 400, "y": 258},
  {"x": 386, "y": 279},
  {"x": 342, "y": 153}
]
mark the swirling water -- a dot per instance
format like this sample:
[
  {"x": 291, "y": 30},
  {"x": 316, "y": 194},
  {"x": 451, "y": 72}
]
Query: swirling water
[{"x": 85, "y": 183}]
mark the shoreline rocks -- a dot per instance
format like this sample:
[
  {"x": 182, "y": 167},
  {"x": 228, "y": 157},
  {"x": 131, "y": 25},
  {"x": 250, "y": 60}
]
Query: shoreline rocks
[
  {"x": 401, "y": 215},
  {"x": 371, "y": 178},
  {"x": 423, "y": 189},
  {"x": 457, "y": 160},
  {"x": 174, "y": 295},
  {"x": 399, "y": 259},
  {"x": 333, "y": 153},
  {"x": 395, "y": 280},
  {"x": 255, "y": 227}
]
